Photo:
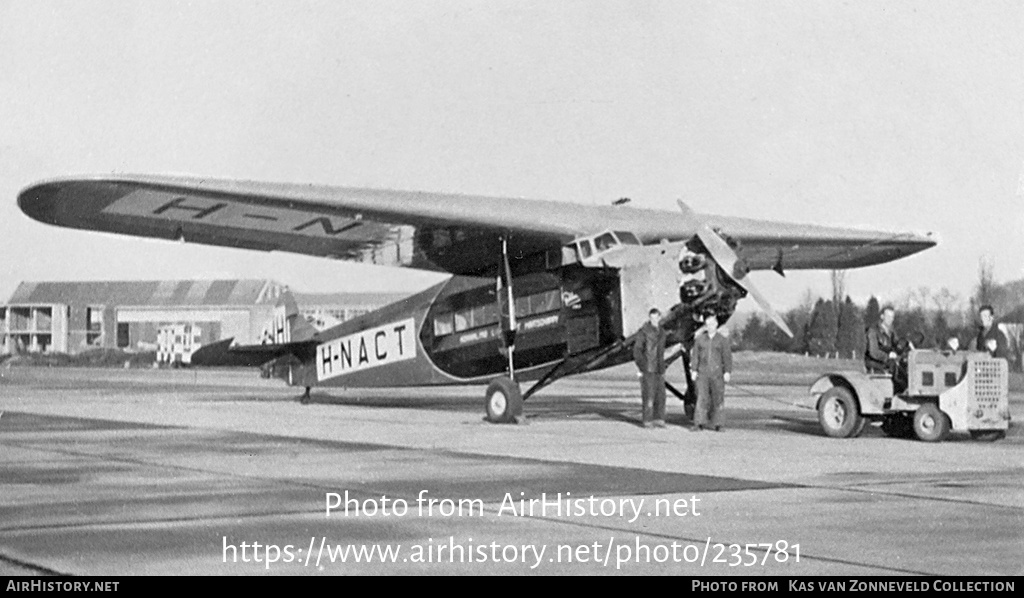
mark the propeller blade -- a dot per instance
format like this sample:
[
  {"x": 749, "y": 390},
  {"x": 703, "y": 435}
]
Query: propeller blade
[
  {"x": 731, "y": 263},
  {"x": 763, "y": 302}
]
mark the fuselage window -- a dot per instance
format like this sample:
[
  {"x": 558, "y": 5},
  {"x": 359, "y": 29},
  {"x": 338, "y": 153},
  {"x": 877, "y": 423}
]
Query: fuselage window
[
  {"x": 545, "y": 302},
  {"x": 484, "y": 315},
  {"x": 522, "y": 307},
  {"x": 463, "y": 321},
  {"x": 443, "y": 325},
  {"x": 488, "y": 315}
]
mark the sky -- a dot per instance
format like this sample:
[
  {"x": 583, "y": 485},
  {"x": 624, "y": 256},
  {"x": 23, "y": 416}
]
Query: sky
[{"x": 899, "y": 116}]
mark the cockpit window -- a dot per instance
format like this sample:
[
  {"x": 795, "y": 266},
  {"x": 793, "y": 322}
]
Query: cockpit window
[
  {"x": 627, "y": 238},
  {"x": 585, "y": 249},
  {"x": 605, "y": 242}
]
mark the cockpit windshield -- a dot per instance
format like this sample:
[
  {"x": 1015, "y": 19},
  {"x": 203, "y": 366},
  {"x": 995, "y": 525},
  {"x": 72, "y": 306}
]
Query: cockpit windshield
[
  {"x": 627, "y": 238},
  {"x": 604, "y": 242}
]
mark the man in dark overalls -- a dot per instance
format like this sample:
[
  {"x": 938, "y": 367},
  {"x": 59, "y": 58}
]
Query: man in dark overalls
[
  {"x": 649, "y": 355},
  {"x": 712, "y": 364}
]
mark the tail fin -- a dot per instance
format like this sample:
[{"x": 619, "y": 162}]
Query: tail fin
[{"x": 288, "y": 324}]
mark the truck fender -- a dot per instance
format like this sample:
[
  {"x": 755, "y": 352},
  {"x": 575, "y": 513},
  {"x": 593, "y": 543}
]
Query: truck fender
[{"x": 869, "y": 391}]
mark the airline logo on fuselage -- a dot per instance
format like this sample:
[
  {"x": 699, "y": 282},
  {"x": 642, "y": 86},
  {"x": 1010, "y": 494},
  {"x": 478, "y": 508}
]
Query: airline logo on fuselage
[{"x": 368, "y": 349}]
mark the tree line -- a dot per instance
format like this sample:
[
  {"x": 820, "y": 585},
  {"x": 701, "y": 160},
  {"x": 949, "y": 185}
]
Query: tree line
[{"x": 827, "y": 328}]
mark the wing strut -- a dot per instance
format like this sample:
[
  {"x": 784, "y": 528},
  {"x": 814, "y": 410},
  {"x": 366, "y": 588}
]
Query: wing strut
[{"x": 509, "y": 317}]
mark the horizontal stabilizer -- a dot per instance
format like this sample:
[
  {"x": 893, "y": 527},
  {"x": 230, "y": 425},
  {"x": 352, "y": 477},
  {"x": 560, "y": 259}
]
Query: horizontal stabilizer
[{"x": 222, "y": 354}]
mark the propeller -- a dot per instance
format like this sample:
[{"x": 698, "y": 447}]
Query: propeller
[{"x": 733, "y": 265}]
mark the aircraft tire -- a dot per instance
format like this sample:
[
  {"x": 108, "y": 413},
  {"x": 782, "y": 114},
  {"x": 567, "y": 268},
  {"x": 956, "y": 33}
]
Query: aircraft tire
[
  {"x": 839, "y": 414},
  {"x": 503, "y": 401},
  {"x": 930, "y": 423}
]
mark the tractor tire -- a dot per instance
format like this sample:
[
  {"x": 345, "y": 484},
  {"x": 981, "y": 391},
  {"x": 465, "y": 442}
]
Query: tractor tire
[
  {"x": 839, "y": 414},
  {"x": 930, "y": 423}
]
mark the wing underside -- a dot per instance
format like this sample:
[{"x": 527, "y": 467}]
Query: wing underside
[{"x": 460, "y": 234}]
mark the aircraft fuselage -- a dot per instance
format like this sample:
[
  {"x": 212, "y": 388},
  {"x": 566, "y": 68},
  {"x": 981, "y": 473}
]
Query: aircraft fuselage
[{"x": 452, "y": 333}]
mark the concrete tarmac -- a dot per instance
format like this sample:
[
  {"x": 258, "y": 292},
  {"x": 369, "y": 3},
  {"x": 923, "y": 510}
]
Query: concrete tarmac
[{"x": 110, "y": 472}]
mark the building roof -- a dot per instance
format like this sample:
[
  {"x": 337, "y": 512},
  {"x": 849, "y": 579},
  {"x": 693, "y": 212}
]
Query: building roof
[
  {"x": 352, "y": 300},
  {"x": 162, "y": 293}
]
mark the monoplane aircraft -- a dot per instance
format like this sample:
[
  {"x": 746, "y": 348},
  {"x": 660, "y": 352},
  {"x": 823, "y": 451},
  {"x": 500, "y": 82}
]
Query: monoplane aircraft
[{"x": 540, "y": 289}]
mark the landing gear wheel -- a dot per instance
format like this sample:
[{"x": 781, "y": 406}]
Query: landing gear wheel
[
  {"x": 930, "y": 423},
  {"x": 988, "y": 435},
  {"x": 305, "y": 398},
  {"x": 897, "y": 426},
  {"x": 503, "y": 401},
  {"x": 839, "y": 415}
]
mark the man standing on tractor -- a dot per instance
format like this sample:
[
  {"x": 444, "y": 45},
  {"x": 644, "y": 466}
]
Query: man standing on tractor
[{"x": 990, "y": 338}]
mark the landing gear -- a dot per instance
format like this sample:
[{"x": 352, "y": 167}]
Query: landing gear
[
  {"x": 839, "y": 415},
  {"x": 930, "y": 423},
  {"x": 503, "y": 401},
  {"x": 305, "y": 398}
]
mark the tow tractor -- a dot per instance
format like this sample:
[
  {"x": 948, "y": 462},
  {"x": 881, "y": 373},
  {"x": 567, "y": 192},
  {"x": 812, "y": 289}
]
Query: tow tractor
[{"x": 959, "y": 391}]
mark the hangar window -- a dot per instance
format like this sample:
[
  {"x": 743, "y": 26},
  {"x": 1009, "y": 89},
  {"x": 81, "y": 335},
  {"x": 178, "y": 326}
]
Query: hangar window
[
  {"x": 122, "y": 334},
  {"x": 94, "y": 319},
  {"x": 44, "y": 318},
  {"x": 20, "y": 317}
]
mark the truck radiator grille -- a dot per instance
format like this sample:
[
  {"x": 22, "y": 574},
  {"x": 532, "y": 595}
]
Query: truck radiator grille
[{"x": 989, "y": 380}]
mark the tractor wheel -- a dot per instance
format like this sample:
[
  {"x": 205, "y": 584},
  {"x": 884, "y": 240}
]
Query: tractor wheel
[
  {"x": 930, "y": 423},
  {"x": 503, "y": 401},
  {"x": 839, "y": 414}
]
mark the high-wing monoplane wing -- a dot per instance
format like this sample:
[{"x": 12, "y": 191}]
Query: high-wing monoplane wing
[{"x": 460, "y": 234}]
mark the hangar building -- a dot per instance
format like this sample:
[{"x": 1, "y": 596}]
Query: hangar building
[
  {"x": 70, "y": 317},
  {"x": 172, "y": 317},
  {"x": 324, "y": 310}
]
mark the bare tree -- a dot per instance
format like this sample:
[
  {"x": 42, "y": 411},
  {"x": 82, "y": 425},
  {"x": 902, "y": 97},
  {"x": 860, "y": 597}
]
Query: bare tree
[
  {"x": 945, "y": 300},
  {"x": 921, "y": 297},
  {"x": 947, "y": 306},
  {"x": 838, "y": 286},
  {"x": 984, "y": 293}
]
